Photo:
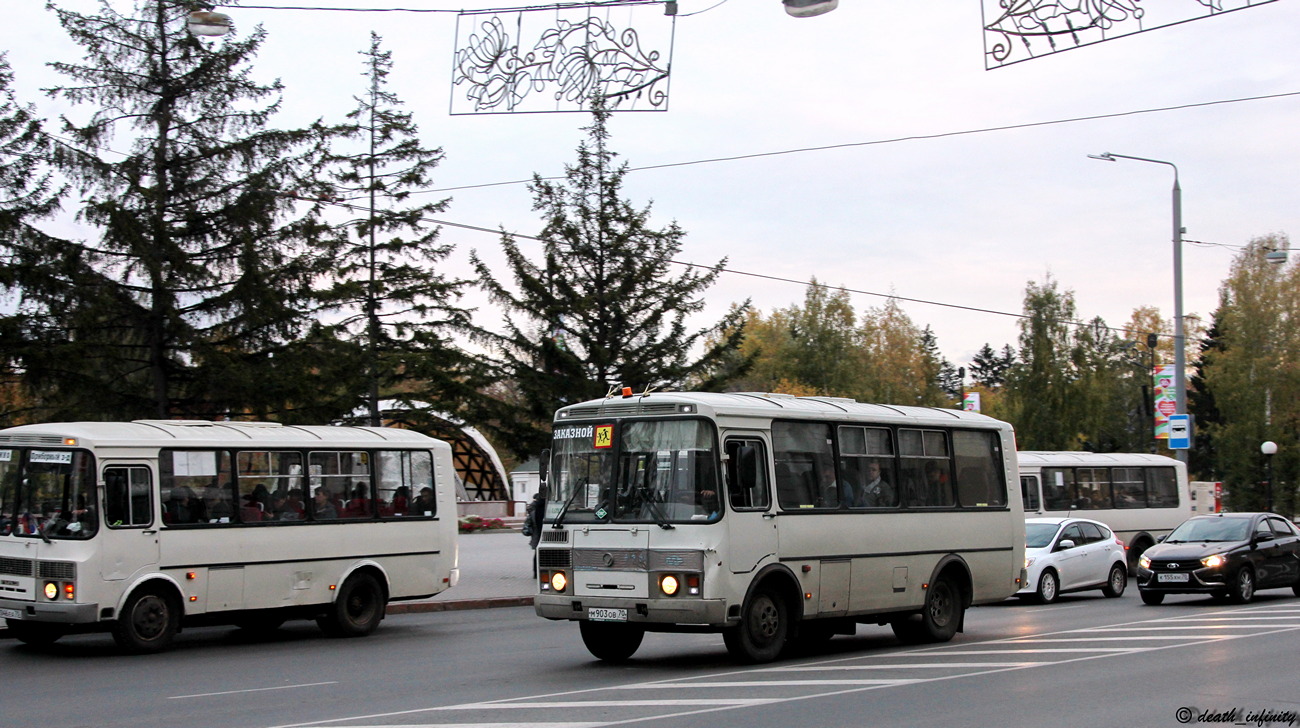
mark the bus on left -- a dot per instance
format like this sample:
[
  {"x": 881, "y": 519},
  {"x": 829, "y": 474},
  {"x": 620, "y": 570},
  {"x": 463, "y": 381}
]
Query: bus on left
[{"x": 142, "y": 528}]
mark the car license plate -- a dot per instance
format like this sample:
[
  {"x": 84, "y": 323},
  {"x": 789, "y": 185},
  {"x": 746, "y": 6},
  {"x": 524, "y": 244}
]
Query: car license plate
[
  {"x": 602, "y": 614},
  {"x": 10, "y": 614},
  {"x": 1171, "y": 577}
]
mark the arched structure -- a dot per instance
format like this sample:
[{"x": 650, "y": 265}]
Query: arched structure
[{"x": 482, "y": 475}]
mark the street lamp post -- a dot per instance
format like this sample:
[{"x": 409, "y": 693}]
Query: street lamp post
[
  {"x": 1269, "y": 449},
  {"x": 1180, "y": 347}
]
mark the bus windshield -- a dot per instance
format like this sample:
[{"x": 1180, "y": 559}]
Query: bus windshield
[
  {"x": 48, "y": 493},
  {"x": 643, "y": 471}
]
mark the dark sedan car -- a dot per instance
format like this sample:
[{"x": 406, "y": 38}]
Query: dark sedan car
[{"x": 1228, "y": 555}]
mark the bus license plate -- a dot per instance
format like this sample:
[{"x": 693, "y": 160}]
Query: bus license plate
[
  {"x": 10, "y": 614},
  {"x": 1171, "y": 577},
  {"x": 601, "y": 614}
]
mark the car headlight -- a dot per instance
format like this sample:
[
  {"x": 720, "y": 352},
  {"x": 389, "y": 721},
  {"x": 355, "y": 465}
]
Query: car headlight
[
  {"x": 1144, "y": 561},
  {"x": 1214, "y": 561},
  {"x": 1029, "y": 561}
]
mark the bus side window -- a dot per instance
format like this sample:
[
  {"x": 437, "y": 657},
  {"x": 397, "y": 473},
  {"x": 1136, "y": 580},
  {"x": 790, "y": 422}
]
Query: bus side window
[
  {"x": 747, "y": 475},
  {"x": 1029, "y": 492},
  {"x": 127, "y": 497}
]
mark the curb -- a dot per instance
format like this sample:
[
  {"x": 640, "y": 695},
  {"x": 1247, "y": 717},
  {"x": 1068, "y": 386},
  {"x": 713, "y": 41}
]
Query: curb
[{"x": 422, "y": 607}]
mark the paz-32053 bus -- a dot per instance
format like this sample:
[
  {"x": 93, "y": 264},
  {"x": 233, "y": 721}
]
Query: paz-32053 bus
[
  {"x": 142, "y": 527},
  {"x": 774, "y": 519}
]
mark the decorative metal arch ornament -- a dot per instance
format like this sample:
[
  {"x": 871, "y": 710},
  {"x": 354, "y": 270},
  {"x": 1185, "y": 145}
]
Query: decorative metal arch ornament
[
  {"x": 1026, "y": 29},
  {"x": 579, "y": 55}
]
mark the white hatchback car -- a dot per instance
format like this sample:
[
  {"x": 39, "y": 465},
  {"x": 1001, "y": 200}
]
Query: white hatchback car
[{"x": 1072, "y": 554}]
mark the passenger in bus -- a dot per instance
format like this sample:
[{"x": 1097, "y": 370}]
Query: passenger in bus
[
  {"x": 217, "y": 500},
  {"x": 423, "y": 505},
  {"x": 294, "y": 503},
  {"x": 251, "y": 511},
  {"x": 401, "y": 500},
  {"x": 322, "y": 508},
  {"x": 280, "y": 509},
  {"x": 876, "y": 492},
  {"x": 359, "y": 506},
  {"x": 180, "y": 506}
]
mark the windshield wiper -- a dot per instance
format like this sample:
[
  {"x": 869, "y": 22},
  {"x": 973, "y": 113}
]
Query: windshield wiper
[
  {"x": 564, "y": 510},
  {"x": 661, "y": 519}
]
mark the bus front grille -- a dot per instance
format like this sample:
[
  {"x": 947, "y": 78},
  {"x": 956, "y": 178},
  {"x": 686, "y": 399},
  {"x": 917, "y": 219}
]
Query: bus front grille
[
  {"x": 57, "y": 569},
  {"x": 15, "y": 567}
]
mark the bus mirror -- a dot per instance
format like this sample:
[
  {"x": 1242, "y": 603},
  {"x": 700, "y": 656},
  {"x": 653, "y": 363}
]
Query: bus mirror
[{"x": 543, "y": 466}]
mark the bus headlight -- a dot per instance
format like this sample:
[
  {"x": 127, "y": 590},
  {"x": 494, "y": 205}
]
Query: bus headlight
[
  {"x": 51, "y": 590},
  {"x": 668, "y": 585},
  {"x": 559, "y": 581}
]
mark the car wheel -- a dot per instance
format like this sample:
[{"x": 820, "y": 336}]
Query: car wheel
[
  {"x": 1152, "y": 598},
  {"x": 1243, "y": 586},
  {"x": 1116, "y": 582},
  {"x": 1049, "y": 587},
  {"x": 764, "y": 626},
  {"x": 611, "y": 642}
]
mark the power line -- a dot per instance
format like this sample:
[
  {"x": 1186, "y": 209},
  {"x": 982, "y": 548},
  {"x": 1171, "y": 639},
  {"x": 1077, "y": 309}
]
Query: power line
[{"x": 896, "y": 140}]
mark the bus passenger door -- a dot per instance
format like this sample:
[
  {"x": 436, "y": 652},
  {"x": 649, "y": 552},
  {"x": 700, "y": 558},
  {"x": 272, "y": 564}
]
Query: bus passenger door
[
  {"x": 750, "y": 522},
  {"x": 129, "y": 536}
]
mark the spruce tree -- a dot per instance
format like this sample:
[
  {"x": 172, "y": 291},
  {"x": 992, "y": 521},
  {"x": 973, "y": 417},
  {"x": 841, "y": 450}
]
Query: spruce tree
[
  {"x": 27, "y": 195},
  {"x": 400, "y": 313},
  {"x": 601, "y": 308},
  {"x": 202, "y": 263}
]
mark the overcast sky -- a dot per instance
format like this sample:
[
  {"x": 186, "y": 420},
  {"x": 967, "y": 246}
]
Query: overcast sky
[{"x": 963, "y": 219}]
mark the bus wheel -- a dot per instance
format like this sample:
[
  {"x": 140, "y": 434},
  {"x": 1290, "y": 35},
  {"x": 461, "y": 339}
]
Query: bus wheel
[
  {"x": 36, "y": 634},
  {"x": 939, "y": 618},
  {"x": 762, "y": 631},
  {"x": 611, "y": 642},
  {"x": 358, "y": 609},
  {"x": 148, "y": 622}
]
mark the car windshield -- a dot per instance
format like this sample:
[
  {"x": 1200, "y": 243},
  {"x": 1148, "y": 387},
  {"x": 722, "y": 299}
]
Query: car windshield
[
  {"x": 656, "y": 471},
  {"x": 1210, "y": 529},
  {"x": 1039, "y": 535}
]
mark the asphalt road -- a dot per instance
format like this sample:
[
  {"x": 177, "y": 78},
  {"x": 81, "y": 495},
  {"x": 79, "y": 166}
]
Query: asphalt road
[{"x": 1085, "y": 661}]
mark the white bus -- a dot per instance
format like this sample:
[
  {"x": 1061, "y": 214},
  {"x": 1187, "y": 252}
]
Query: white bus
[
  {"x": 142, "y": 527},
  {"x": 1140, "y": 496},
  {"x": 774, "y": 519}
]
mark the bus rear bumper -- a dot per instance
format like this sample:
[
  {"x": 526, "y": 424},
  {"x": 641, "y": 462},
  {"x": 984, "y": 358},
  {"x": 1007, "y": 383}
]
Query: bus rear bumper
[
  {"x": 16, "y": 611},
  {"x": 658, "y": 611}
]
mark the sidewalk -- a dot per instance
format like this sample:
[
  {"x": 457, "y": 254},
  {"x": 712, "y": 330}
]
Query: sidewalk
[{"x": 496, "y": 570}]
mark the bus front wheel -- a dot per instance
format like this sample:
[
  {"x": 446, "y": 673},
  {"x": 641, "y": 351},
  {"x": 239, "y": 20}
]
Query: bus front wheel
[
  {"x": 358, "y": 609},
  {"x": 148, "y": 622},
  {"x": 609, "y": 641},
  {"x": 764, "y": 626}
]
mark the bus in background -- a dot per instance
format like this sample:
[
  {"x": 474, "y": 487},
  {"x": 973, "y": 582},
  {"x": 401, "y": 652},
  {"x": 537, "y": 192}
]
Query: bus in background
[
  {"x": 142, "y": 527},
  {"x": 773, "y": 519},
  {"x": 1140, "y": 496}
]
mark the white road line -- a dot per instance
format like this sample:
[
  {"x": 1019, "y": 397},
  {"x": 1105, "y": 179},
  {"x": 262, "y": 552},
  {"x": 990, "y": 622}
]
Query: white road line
[
  {"x": 1046, "y": 649},
  {"x": 548, "y": 705},
  {"x": 760, "y": 684},
  {"x": 913, "y": 666},
  {"x": 1130, "y": 638},
  {"x": 1271, "y": 626},
  {"x": 252, "y": 690}
]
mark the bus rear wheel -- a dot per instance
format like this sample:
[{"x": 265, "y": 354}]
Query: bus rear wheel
[
  {"x": 148, "y": 622},
  {"x": 764, "y": 626},
  {"x": 36, "y": 634},
  {"x": 939, "y": 618},
  {"x": 611, "y": 642},
  {"x": 357, "y": 611}
]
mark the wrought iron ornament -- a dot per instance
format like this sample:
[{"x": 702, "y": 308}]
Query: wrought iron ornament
[
  {"x": 577, "y": 56},
  {"x": 1025, "y": 29}
]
